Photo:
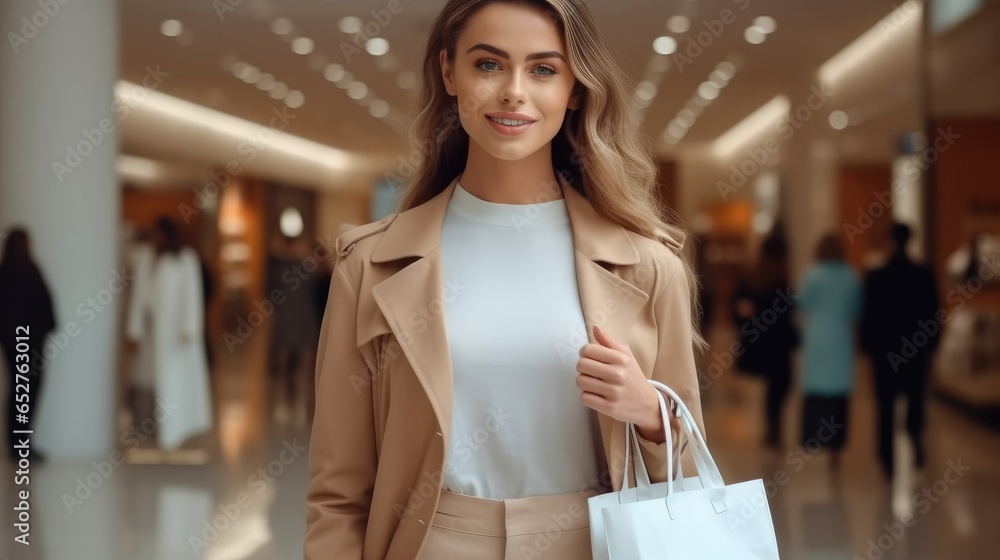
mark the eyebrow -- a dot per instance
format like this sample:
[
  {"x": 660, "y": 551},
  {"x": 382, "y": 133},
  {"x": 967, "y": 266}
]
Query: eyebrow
[{"x": 503, "y": 53}]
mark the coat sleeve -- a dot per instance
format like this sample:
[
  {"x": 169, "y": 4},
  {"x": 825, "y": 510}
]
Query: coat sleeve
[
  {"x": 342, "y": 455},
  {"x": 675, "y": 364}
]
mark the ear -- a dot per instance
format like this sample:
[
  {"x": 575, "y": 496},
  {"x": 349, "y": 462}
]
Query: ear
[
  {"x": 447, "y": 72},
  {"x": 576, "y": 98}
]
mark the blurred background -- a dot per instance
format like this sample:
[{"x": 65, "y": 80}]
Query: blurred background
[{"x": 187, "y": 166}]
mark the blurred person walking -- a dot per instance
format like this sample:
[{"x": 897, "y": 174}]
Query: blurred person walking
[
  {"x": 899, "y": 333},
  {"x": 168, "y": 314},
  {"x": 762, "y": 312},
  {"x": 830, "y": 303},
  {"x": 26, "y": 313}
]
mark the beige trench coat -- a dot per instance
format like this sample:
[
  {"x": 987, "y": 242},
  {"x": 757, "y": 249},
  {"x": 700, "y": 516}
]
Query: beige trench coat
[{"x": 384, "y": 378}]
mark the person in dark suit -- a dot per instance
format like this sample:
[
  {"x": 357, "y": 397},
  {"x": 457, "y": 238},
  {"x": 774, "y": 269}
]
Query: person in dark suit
[
  {"x": 899, "y": 332},
  {"x": 26, "y": 311}
]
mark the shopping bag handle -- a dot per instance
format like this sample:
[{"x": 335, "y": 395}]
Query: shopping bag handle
[{"x": 708, "y": 470}]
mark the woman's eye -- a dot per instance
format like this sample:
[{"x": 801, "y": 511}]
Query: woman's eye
[
  {"x": 549, "y": 71},
  {"x": 488, "y": 62}
]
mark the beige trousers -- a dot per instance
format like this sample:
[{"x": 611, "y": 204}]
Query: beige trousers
[{"x": 541, "y": 527}]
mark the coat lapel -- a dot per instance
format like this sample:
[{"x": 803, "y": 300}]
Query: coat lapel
[{"x": 412, "y": 299}]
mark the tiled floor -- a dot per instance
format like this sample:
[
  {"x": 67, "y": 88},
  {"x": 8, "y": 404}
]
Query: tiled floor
[{"x": 248, "y": 504}]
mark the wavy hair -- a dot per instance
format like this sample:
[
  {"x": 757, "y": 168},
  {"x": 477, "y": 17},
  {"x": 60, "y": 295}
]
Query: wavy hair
[{"x": 598, "y": 149}]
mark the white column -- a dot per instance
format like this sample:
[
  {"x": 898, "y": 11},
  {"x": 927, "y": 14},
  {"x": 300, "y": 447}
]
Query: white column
[{"x": 58, "y": 145}]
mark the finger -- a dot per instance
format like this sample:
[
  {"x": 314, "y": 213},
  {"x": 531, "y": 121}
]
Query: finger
[
  {"x": 591, "y": 384},
  {"x": 605, "y": 339},
  {"x": 594, "y": 401},
  {"x": 600, "y": 370},
  {"x": 601, "y": 354}
]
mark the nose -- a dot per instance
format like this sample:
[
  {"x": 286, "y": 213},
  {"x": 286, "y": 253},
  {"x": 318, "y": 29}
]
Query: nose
[{"x": 513, "y": 89}]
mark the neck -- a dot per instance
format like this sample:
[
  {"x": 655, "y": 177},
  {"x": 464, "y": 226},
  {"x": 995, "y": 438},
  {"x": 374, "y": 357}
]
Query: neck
[{"x": 524, "y": 181}]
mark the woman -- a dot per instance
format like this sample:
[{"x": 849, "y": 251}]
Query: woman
[
  {"x": 830, "y": 300},
  {"x": 762, "y": 311},
  {"x": 26, "y": 315},
  {"x": 482, "y": 350},
  {"x": 168, "y": 312}
]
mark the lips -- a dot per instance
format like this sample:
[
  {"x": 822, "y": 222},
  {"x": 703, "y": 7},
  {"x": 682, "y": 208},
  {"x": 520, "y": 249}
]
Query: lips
[{"x": 509, "y": 122}]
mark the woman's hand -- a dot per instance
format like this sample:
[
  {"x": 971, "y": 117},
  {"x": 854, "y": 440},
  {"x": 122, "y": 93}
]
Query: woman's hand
[{"x": 613, "y": 383}]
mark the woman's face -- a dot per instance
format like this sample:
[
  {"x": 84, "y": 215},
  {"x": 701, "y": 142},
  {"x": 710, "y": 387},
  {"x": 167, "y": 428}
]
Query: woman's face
[{"x": 510, "y": 63}]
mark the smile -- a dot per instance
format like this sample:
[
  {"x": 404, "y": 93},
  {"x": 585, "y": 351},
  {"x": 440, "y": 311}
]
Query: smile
[{"x": 509, "y": 127}]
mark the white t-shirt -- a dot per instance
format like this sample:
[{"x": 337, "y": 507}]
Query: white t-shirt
[{"x": 515, "y": 329}]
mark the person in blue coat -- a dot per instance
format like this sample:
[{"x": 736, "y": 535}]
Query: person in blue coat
[{"x": 830, "y": 303}]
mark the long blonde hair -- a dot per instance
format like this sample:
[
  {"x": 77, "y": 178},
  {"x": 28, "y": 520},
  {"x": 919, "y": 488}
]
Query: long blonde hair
[{"x": 598, "y": 149}]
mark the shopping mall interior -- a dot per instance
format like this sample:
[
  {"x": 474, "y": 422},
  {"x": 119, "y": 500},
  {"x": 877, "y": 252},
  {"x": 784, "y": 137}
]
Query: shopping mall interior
[{"x": 250, "y": 134}]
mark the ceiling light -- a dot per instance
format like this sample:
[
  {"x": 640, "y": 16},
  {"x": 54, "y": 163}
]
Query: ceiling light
[
  {"x": 250, "y": 75},
  {"x": 754, "y": 35},
  {"x": 302, "y": 45},
  {"x": 357, "y": 90},
  {"x": 646, "y": 90},
  {"x": 766, "y": 24},
  {"x": 678, "y": 24},
  {"x": 333, "y": 72},
  {"x": 377, "y": 46},
  {"x": 718, "y": 78},
  {"x": 838, "y": 120},
  {"x": 406, "y": 79},
  {"x": 345, "y": 80},
  {"x": 378, "y": 108},
  {"x": 676, "y": 129},
  {"x": 871, "y": 41},
  {"x": 265, "y": 82},
  {"x": 295, "y": 99},
  {"x": 708, "y": 90},
  {"x": 728, "y": 69},
  {"x": 282, "y": 26},
  {"x": 664, "y": 45},
  {"x": 753, "y": 125},
  {"x": 171, "y": 27},
  {"x": 278, "y": 90},
  {"x": 350, "y": 24},
  {"x": 685, "y": 117}
]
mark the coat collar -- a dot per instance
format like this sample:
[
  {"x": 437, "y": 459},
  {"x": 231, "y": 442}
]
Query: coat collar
[
  {"x": 412, "y": 299},
  {"x": 417, "y": 232}
]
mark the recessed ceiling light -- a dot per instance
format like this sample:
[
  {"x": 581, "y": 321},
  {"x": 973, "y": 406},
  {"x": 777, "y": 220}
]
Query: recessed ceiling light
[
  {"x": 646, "y": 90},
  {"x": 754, "y": 35},
  {"x": 664, "y": 45},
  {"x": 334, "y": 72},
  {"x": 171, "y": 27},
  {"x": 265, "y": 82},
  {"x": 282, "y": 26},
  {"x": 766, "y": 24},
  {"x": 685, "y": 117},
  {"x": 377, "y": 46},
  {"x": 378, "y": 108},
  {"x": 728, "y": 69},
  {"x": 345, "y": 80},
  {"x": 350, "y": 24},
  {"x": 718, "y": 78},
  {"x": 302, "y": 45},
  {"x": 278, "y": 90},
  {"x": 295, "y": 99},
  {"x": 357, "y": 90},
  {"x": 708, "y": 90},
  {"x": 678, "y": 24},
  {"x": 406, "y": 79},
  {"x": 838, "y": 120},
  {"x": 250, "y": 75},
  {"x": 676, "y": 129}
]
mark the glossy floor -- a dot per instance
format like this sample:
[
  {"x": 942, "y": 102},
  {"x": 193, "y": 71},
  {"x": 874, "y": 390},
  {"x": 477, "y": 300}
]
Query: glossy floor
[{"x": 248, "y": 503}]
